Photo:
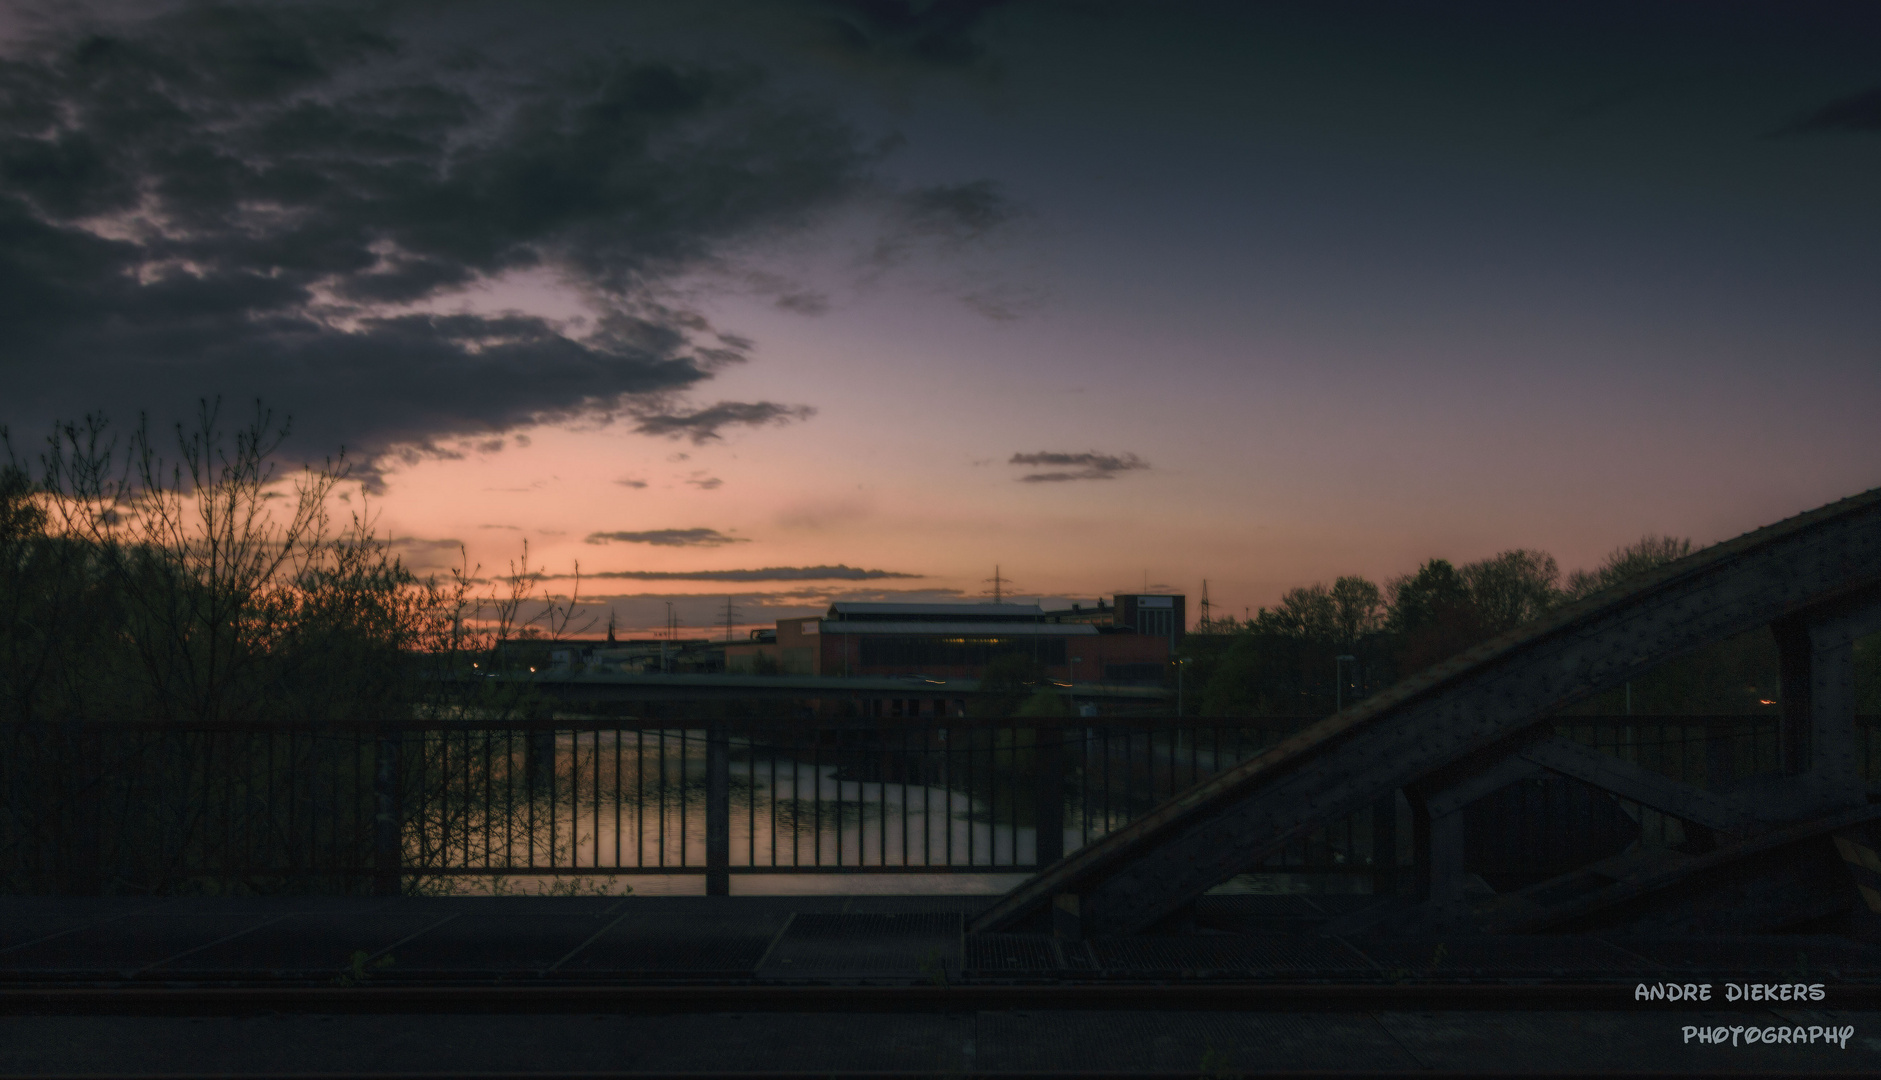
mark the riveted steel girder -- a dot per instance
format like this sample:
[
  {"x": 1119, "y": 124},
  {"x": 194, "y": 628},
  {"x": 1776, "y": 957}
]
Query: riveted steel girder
[{"x": 1827, "y": 559}]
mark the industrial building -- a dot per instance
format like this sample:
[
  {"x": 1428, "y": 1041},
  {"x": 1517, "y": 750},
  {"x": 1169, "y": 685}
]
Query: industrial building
[{"x": 1129, "y": 641}]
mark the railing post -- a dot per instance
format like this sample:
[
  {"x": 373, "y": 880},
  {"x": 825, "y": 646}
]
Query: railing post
[
  {"x": 1795, "y": 663},
  {"x": 84, "y": 805},
  {"x": 1719, "y": 770},
  {"x": 387, "y": 838},
  {"x": 717, "y": 811},
  {"x": 1048, "y": 780},
  {"x": 539, "y": 753},
  {"x": 1385, "y": 846}
]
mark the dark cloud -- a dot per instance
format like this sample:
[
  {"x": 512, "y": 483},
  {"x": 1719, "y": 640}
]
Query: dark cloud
[
  {"x": 236, "y": 200},
  {"x": 955, "y": 211},
  {"x": 769, "y": 573},
  {"x": 943, "y": 217},
  {"x": 1086, "y": 466},
  {"x": 427, "y": 555},
  {"x": 927, "y": 32},
  {"x": 630, "y": 482},
  {"x": 669, "y": 538},
  {"x": 1856, "y": 112},
  {"x": 705, "y": 483},
  {"x": 804, "y": 303},
  {"x": 705, "y": 424},
  {"x": 1003, "y": 304}
]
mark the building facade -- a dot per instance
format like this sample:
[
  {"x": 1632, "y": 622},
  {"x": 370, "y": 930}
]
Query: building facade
[{"x": 1131, "y": 641}]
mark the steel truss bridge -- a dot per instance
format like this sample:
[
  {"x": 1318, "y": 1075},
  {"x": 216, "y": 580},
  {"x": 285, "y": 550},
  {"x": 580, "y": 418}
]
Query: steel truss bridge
[{"x": 1787, "y": 850}]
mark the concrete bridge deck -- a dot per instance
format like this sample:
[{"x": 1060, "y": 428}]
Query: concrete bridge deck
[{"x": 867, "y": 985}]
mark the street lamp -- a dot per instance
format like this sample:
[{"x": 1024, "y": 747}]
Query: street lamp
[
  {"x": 1338, "y": 678},
  {"x": 1180, "y": 664}
]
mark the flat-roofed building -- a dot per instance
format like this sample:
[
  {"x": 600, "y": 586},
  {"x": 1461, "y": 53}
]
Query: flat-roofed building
[{"x": 958, "y": 641}]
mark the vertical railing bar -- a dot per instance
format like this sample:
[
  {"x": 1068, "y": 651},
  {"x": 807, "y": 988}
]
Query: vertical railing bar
[
  {"x": 595, "y": 764},
  {"x": 361, "y": 810},
  {"x": 906, "y": 771},
  {"x": 228, "y": 798},
  {"x": 770, "y": 781},
  {"x": 640, "y": 798},
  {"x": 662, "y": 795},
  {"x": 972, "y": 833},
  {"x": 837, "y": 775},
  {"x": 992, "y": 776},
  {"x": 532, "y": 753},
  {"x": 331, "y": 861},
  {"x": 948, "y": 770},
  {"x": 509, "y": 798},
  {"x": 444, "y": 798},
  {"x": 617, "y": 800},
  {"x": 796, "y": 802},
  {"x": 927, "y": 790},
  {"x": 1012, "y": 796},
  {"x": 316, "y": 862},
  {"x": 751, "y": 801},
  {"x": 268, "y": 829},
  {"x": 816, "y": 797},
  {"x": 685, "y": 773},
  {"x": 470, "y": 788},
  {"x": 881, "y": 805},
  {"x": 489, "y": 801},
  {"x": 293, "y": 808},
  {"x": 553, "y": 774}
]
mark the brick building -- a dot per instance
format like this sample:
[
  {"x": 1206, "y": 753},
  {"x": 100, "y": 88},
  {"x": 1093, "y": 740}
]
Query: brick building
[{"x": 1130, "y": 641}]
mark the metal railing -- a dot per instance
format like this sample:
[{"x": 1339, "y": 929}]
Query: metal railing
[{"x": 253, "y": 807}]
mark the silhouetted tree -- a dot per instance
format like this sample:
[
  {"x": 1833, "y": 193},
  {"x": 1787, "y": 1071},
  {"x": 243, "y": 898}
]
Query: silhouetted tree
[
  {"x": 1433, "y": 615},
  {"x": 1007, "y": 682},
  {"x": 1643, "y": 555},
  {"x": 1512, "y": 588},
  {"x": 1358, "y": 608}
]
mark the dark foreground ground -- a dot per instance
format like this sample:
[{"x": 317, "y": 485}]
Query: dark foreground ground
[{"x": 873, "y": 985}]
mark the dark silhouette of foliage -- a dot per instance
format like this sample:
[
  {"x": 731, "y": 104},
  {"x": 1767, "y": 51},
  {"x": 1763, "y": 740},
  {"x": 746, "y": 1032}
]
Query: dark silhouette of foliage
[
  {"x": 1433, "y": 615},
  {"x": 1007, "y": 682}
]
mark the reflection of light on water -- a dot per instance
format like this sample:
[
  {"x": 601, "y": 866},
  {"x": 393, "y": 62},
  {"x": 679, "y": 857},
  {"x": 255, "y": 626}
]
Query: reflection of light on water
[{"x": 821, "y": 820}]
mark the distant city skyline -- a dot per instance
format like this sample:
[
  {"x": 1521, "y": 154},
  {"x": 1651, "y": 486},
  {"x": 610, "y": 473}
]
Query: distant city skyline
[{"x": 819, "y": 300}]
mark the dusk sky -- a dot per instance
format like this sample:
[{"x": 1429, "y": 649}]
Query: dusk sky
[{"x": 1101, "y": 293}]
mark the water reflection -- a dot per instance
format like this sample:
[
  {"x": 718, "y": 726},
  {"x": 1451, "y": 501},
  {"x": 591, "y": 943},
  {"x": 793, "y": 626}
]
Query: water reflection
[
  {"x": 636, "y": 800},
  {"x": 645, "y": 807}
]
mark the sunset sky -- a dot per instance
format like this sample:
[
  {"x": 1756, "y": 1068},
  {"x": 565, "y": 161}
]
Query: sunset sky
[{"x": 1105, "y": 294}]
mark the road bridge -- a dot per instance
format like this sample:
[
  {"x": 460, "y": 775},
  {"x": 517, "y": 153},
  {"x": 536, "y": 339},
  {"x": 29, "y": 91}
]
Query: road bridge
[{"x": 1778, "y": 853}]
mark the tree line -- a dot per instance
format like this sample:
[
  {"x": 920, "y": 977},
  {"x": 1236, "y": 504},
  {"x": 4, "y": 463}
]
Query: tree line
[
  {"x": 186, "y": 577},
  {"x": 1324, "y": 645}
]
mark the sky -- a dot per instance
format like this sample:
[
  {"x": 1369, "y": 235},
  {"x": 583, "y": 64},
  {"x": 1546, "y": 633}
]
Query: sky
[{"x": 801, "y": 300}]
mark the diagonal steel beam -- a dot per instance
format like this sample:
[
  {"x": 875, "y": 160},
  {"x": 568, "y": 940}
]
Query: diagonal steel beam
[
  {"x": 1661, "y": 879},
  {"x": 1498, "y": 776},
  {"x": 1630, "y": 781},
  {"x": 1146, "y": 871}
]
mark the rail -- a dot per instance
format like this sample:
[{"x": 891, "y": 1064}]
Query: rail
[{"x": 128, "y": 806}]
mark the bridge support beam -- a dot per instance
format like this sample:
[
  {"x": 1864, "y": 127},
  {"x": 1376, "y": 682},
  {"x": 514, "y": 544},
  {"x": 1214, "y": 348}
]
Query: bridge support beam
[
  {"x": 1385, "y": 846},
  {"x": 1437, "y": 832},
  {"x": 1641, "y": 785},
  {"x": 1816, "y": 651},
  {"x": 1820, "y": 570}
]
